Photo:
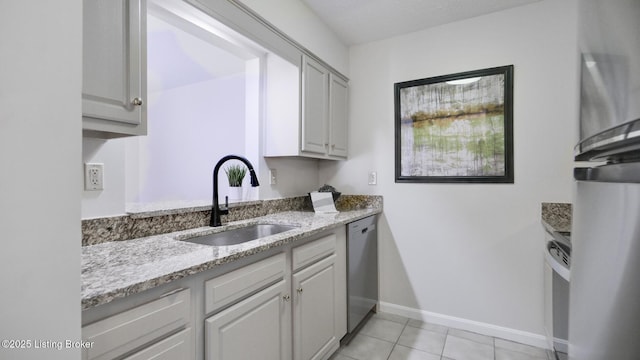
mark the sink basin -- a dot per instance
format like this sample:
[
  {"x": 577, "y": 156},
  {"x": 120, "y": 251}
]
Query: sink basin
[{"x": 241, "y": 235}]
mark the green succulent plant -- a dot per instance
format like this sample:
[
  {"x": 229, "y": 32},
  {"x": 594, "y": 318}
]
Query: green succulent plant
[{"x": 235, "y": 174}]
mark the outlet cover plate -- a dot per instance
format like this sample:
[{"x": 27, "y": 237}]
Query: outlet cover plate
[
  {"x": 373, "y": 178},
  {"x": 93, "y": 176}
]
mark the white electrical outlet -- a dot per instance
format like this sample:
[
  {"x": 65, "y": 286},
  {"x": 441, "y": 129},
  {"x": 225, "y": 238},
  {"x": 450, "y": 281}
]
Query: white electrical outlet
[
  {"x": 93, "y": 177},
  {"x": 273, "y": 177},
  {"x": 373, "y": 178}
]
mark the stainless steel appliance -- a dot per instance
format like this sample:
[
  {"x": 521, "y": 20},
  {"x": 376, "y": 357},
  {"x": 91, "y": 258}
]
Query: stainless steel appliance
[
  {"x": 604, "y": 311},
  {"x": 362, "y": 267},
  {"x": 557, "y": 254}
]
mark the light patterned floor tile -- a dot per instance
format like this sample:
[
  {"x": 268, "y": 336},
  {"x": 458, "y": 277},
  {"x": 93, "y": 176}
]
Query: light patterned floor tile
[
  {"x": 382, "y": 329},
  {"x": 483, "y": 339},
  {"x": 404, "y": 353},
  {"x": 364, "y": 347},
  {"x": 428, "y": 326},
  {"x": 391, "y": 317},
  {"x": 526, "y": 349},
  {"x": 505, "y": 354},
  {"x": 417, "y": 340},
  {"x": 421, "y": 339},
  {"x": 338, "y": 356},
  {"x": 464, "y": 349}
]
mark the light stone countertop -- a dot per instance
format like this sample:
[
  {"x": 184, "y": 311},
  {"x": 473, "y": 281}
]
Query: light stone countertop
[
  {"x": 556, "y": 217},
  {"x": 117, "y": 269}
]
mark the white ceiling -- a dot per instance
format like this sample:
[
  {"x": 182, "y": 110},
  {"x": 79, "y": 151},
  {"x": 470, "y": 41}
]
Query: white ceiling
[{"x": 361, "y": 21}]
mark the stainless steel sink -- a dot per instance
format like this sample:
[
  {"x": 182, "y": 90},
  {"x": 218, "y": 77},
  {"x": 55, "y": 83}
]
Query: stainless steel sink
[{"x": 241, "y": 235}]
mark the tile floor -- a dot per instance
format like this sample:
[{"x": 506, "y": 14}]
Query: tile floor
[{"x": 392, "y": 337}]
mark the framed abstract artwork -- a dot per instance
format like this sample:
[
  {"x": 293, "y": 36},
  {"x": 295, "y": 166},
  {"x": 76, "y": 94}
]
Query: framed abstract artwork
[{"x": 455, "y": 128}]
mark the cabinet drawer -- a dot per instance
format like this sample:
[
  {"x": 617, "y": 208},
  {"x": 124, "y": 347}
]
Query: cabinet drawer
[
  {"x": 128, "y": 330},
  {"x": 178, "y": 346},
  {"x": 237, "y": 284},
  {"x": 307, "y": 254}
]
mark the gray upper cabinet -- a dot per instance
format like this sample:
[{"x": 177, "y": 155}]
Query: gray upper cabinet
[
  {"x": 306, "y": 103},
  {"x": 324, "y": 112},
  {"x": 114, "y": 68},
  {"x": 338, "y": 116},
  {"x": 315, "y": 107},
  {"x": 318, "y": 127}
]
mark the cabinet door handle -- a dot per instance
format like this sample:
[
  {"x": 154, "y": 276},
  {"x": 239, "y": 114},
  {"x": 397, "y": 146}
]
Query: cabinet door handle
[
  {"x": 137, "y": 101},
  {"x": 286, "y": 297},
  {"x": 299, "y": 290}
]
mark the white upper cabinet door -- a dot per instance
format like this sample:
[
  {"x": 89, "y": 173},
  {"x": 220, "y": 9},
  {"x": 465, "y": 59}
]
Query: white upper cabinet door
[
  {"x": 338, "y": 113},
  {"x": 315, "y": 93},
  {"x": 114, "y": 67}
]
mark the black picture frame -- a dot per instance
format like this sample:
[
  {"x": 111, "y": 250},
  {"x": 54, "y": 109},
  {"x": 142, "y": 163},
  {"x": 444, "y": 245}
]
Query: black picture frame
[{"x": 455, "y": 128}]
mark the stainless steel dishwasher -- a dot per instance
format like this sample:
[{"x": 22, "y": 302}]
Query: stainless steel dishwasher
[{"x": 362, "y": 267}]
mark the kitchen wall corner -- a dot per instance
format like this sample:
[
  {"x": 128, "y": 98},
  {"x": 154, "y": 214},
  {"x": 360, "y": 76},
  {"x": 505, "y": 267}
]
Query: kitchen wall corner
[{"x": 469, "y": 251}]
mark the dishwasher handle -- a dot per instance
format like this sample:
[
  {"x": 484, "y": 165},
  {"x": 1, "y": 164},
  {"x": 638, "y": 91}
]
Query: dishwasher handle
[{"x": 368, "y": 229}]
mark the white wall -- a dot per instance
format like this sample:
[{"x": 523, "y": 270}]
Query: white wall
[
  {"x": 112, "y": 154},
  {"x": 190, "y": 128},
  {"x": 297, "y": 176},
  {"x": 466, "y": 253},
  {"x": 175, "y": 161},
  {"x": 294, "y": 18},
  {"x": 127, "y": 177},
  {"x": 40, "y": 132}
]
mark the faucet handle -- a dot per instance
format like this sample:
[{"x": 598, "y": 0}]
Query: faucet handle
[{"x": 225, "y": 209}]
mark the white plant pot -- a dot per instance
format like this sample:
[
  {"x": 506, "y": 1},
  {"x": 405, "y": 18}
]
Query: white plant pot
[{"x": 235, "y": 193}]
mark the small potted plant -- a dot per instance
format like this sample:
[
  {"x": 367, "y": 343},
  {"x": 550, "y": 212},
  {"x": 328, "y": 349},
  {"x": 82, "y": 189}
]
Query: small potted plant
[{"x": 235, "y": 174}]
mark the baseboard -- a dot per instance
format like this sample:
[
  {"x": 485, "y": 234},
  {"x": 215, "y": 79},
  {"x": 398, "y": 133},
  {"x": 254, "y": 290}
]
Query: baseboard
[
  {"x": 519, "y": 336},
  {"x": 561, "y": 345}
]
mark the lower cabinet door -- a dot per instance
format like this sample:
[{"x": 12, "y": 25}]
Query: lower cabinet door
[
  {"x": 175, "y": 347},
  {"x": 314, "y": 328},
  {"x": 258, "y": 327}
]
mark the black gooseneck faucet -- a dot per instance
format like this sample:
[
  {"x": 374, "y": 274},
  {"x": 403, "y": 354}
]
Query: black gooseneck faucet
[{"x": 215, "y": 209}]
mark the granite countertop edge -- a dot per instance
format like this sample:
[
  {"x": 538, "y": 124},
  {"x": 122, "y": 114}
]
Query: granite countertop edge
[
  {"x": 118, "y": 269},
  {"x": 556, "y": 217},
  {"x": 554, "y": 228}
]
